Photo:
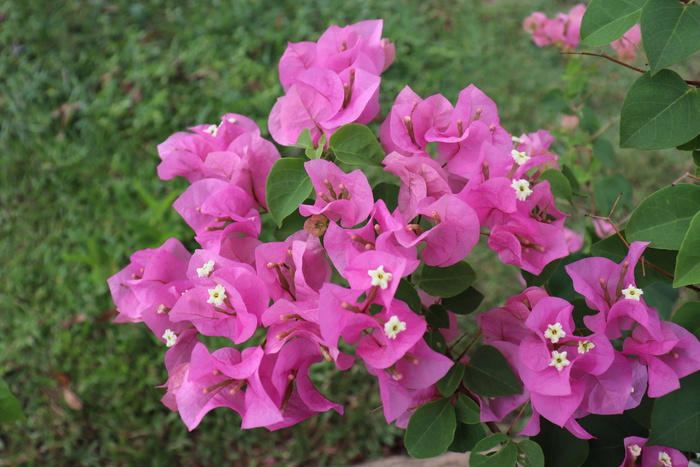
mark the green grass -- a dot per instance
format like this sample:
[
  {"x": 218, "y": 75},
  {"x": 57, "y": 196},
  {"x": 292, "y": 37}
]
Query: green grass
[{"x": 89, "y": 88}]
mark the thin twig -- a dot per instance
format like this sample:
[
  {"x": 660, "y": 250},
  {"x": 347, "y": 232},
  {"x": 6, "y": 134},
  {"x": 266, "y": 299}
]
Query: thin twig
[{"x": 607, "y": 57}]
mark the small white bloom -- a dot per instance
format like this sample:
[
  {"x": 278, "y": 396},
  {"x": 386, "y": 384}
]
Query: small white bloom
[
  {"x": 170, "y": 338},
  {"x": 232, "y": 120},
  {"x": 217, "y": 295},
  {"x": 162, "y": 309},
  {"x": 522, "y": 189},
  {"x": 554, "y": 332},
  {"x": 206, "y": 269},
  {"x": 380, "y": 277},
  {"x": 665, "y": 459},
  {"x": 393, "y": 327},
  {"x": 212, "y": 130},
  {"x": 585, "y": 346},
  {"x": 632, "y": 293},
  {"x": 519, "y": 156},
  {"x": 559, "y": 360},
  {"x": 635, "y": 450},
  {"x": 517, "y": 140}
]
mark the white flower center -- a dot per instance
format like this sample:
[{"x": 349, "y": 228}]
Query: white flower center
[
  {"x": 517, "y": 139},
  {"x": 212, "y": 130},
  {"x": 559, "y": 360},
  {"x": 170, "y": 338},
  {"x": 585, "y": 346},
  {"x": 206, "y": 269},
  {"x": 380, "y": 277},
  {"x": 519, "y": 156},
  {"x": 665, "y": 459},
  {"x": 635, "y": 450},
  {"x": 632, "y": 293},
  {"x": 217, "y": 295},
  {"x": 393, "y": 327},
  {"x": 554, "y": 332},
  {"x": 522, "y": 189}
]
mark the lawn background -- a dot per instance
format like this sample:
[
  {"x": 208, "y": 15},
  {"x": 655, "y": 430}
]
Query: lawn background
[{"x": 87, "y": 91}]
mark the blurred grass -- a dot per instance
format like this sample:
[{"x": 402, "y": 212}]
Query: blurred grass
[{"x": 87, "y": 90}]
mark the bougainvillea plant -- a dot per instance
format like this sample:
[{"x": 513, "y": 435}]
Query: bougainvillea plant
[{"x": 347, "y": 249}]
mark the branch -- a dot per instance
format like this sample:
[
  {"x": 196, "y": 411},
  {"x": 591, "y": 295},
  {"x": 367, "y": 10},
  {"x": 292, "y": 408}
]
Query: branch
[
  {"x": 607, "y": 57},
  {"x": 627, "y": 65}
]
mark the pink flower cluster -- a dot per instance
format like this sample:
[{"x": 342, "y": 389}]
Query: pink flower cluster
[
  {"x": 331, "y": 82},
  {"x": 564, "y": 31},
  {"x": 481, "y": 176},
  {"x": 569, "y": 371},
  {"x": 275, "y": 301}
]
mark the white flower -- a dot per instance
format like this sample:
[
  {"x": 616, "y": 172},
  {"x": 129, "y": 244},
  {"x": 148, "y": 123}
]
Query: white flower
[
  {"x": 665, "y": 459},
  {"x": 554, "y": 332},
  {"x": 170, "y": 338},
  {"x": 212, "y": 130},
  {"x": 635, "y": 450},
  {"x": 559, "y": 360},
  {"x": 380, "y": 277},
  {"x": 585, "y": 346},
  {"x": 393, "y": 327},
  {"x": 522, "y": 189},
  {"x": 632, "y": 293},
  {"x": 217, "y": 295},
  {"x": 206, "y": 269},
  {"x": 517, "y": 140},
  {"x": 519, "y": 156}
]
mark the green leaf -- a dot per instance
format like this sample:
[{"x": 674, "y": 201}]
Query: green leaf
[
  {"x": 446, "y": 282},
  {"x": 506, "y": 456},
  {"x": 688, "y": 316},
  {"x": 466, "y": 436},
  {"x": 530, "y": 454},
  {"x": 10, "y": 411},
  {"x": 288, "y": 185},
  {"x": 696, "y": 159},
  {"x": 558, "y": 183},
  {"x": 606, "y": 21},
  {"x": 437, "y": 317},
  {"x": 292, "y": 223},
  {"x": 675, "y": 419},
  {"x": 304, "y": 140},
  {"x": 489, "y": 374},
  {"x": 465, "y": 302},
  {"x": 659, "y": 111},
  {"x": 688, "y": 261},
  {"x": 436, "y": 341},
  {"x": 467, "y": 410},
  {"x": 407, "y": 293},
  {"x": 431, "y": 429},
  {"x": 449, "y": 383},
  {"x": 536, "y": 281},
  {"x": 604, "y": 151},
  {"x": 670, "y": 32},
  {"x": 607, "y": 189},
  {"x": 664, "y": 217},
  {"x": 387, "y": 192},
  {"x": 692, "y": 145},
  {"x": 575, "y": 186},
  {"x": 560, "y": 447},
  {"x": 355, "y": 144}
]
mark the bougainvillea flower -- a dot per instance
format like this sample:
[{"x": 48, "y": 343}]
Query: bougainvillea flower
[
  {"x": 601, "y": 280},
  {"x": 185, "y": 154},
  {"x": 341, "y": 197},
  {"x": 409, "y": 119},
  {"x": 651, "y": 456},
  {"x": 133, "y": 287},
  {"x": 359, "y": 274}
]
